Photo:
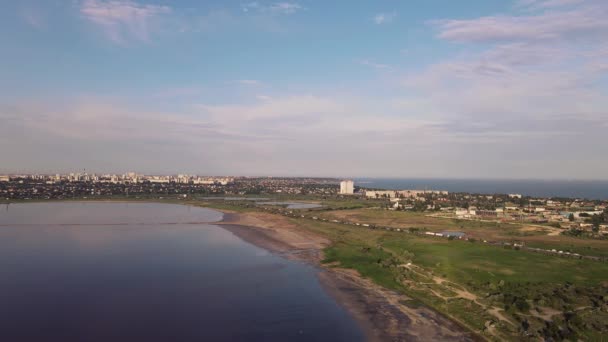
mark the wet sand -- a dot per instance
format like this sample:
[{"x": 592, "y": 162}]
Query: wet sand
[{"x": 381, "y": 313}]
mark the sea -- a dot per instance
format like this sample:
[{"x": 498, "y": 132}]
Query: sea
[
  {"x": 592, "y": 189},
  {"x": 94, "y": 271}
]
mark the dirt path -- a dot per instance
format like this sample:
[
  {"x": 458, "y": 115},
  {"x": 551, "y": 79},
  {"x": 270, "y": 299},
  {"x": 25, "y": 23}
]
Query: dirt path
[
  {"x": 545, "y": 313},
  {"x": 460, "y": 293}
]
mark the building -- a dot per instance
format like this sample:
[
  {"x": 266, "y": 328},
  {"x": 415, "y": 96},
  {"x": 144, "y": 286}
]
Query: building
[
  {"x": 347, "y": 187},
  {"x": 5, "y": 179},
  {"x": 484, "y": 213},
  {"x": 403, "y": 193}
]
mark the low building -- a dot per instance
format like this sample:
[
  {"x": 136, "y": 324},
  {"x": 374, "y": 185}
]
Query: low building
[
  {"x": 485, "y": 213},
  {"x": 402, "y": 193},
  {"x": 461, "y": 212}
]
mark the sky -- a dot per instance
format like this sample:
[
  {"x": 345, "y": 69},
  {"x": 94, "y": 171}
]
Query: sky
[{"x": 386, "y": 88}]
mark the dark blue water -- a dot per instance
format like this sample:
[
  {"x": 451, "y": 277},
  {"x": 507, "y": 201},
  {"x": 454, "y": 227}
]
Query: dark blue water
[
  {"x": 540, "y": 188},
  {"x": 146, "y": 272}
]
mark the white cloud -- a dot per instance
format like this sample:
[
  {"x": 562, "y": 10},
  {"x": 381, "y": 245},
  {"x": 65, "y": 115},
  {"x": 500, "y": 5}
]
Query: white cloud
[
  {"x": 384, "y": 18},
  {"x": 123, "y": 20},
  {"x": 248, "y": 82},
  {"x": 285, "y": 7},
  {"x": 582, "y": 22},
  {"x": 543, "y": 4},
  {"x": 274, "y": 8},
  {"x": 373, "y": 64},
  {"x": 263, "y": 97},
  {"x": 533, "y": 93},
  {"x": 271, "y": 129},
  {"x": 527, "y": 95},
  {"x": 251, "y": 6}
]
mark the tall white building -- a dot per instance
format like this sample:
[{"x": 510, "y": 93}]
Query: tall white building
[{"x": 347, "y": 187}]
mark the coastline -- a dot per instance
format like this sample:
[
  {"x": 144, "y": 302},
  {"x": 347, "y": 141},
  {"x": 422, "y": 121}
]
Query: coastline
[{"x": 381, "y": 314}]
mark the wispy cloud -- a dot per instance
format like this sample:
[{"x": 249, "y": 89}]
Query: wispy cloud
[
  {"x": 33, "y": 17},
  {"x": 246, "y": 82},
  {"x": 373, "y": 64},
  {"x": 263, "y": 97},
  {"x": 535, "y": 82},
  {"x": 123, "y": 20},
  {"x": 543, "y": 4},
  {"x": 384, "y": 18},
  {"x": 583, "y": 22},
  {"x": 285, "y": 7},
  {"x": 268, "y": 129},
  {"x": 274, "y": 8}
]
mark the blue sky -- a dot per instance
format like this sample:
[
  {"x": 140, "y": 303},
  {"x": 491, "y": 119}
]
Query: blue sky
[{"x": 488, "y": 89}]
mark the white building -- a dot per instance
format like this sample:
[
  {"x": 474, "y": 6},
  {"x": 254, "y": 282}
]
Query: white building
[
  {"x": 403, "y": 193},
  {"x": 347, "y": 187}
]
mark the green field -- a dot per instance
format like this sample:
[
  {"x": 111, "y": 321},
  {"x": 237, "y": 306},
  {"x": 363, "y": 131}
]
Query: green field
[
  {"x": 532, "y": 236},
  {"x": 461, "y": 261},
  {"x": 466, "y": 262},
  {"x": 516, "y": 282}
]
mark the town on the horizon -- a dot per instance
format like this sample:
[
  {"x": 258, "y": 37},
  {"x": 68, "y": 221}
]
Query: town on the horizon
[{"x": 578, "y": 216}]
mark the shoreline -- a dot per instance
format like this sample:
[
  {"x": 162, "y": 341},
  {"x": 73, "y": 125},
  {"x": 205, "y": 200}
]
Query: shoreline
[{"x": 381, "y": 314}]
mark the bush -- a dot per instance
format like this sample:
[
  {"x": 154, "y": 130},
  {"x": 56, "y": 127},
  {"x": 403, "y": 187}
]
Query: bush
[{"x": 522, "y": 305}]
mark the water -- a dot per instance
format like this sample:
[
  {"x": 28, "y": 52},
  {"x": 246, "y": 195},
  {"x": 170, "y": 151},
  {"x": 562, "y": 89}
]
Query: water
[
  {"x": 293, "y": 205},
  {"x": 538, "y": 188},
  {"x": 144, "y": 272},
  {"x": 289, "y": 205}
]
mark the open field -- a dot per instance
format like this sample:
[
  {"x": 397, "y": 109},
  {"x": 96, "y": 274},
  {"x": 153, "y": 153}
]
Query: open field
[
  {"x": 463, "y": 261},
  {"x": 531, "y": 235},
  {"x": 497, "y": 292}
]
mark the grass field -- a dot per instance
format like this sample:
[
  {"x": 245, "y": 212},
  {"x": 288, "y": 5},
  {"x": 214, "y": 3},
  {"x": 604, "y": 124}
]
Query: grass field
[
  {"x": 466, "y": 262},
  {"x": 461, "y": 261},
  {"x": 493, "y": 279},
  {"x": 532, "y": 236}
]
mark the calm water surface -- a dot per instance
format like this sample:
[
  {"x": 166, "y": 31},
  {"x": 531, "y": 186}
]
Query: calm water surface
[{"x": 151, "y": 272}]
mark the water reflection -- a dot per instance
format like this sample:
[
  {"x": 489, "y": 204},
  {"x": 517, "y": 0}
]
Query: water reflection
[{"x": 155, "y": 282}]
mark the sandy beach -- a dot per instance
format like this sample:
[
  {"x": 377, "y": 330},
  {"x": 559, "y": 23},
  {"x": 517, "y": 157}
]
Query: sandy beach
[{"x": 381, "y": 313}]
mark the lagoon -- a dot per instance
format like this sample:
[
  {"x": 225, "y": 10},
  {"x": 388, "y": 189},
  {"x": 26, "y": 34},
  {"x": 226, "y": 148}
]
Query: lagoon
[{"x": 96, "y": 271}]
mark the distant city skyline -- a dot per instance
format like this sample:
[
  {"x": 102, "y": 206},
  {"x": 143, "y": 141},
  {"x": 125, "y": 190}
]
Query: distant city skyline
[{"x": 489, "y": 89}]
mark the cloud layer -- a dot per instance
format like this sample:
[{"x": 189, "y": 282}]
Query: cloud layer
[
  {"x": 273, "y": 8},
  {"x": 123, "y": 20},
  {"x": 515, "y": 96}
]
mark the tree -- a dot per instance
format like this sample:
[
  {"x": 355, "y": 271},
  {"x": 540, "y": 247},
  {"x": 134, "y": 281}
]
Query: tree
[
  {"x": 595, "y": 221},
  {"x": 571, "y": 217}
]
